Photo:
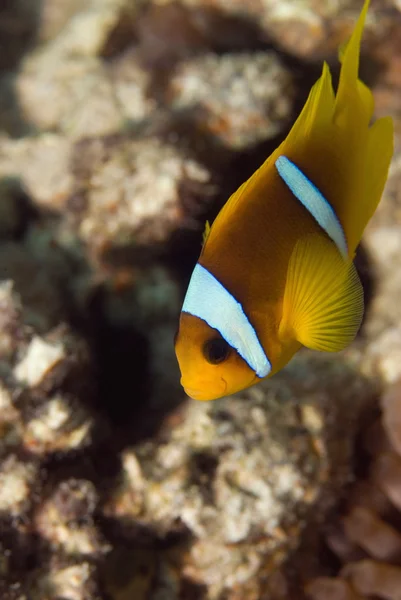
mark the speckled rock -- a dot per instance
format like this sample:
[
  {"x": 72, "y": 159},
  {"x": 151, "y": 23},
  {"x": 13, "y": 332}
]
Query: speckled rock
[
  {"x": 39, "y": 359},
  {"x": 305, "y": 29},
  {"x": 11, "y": 424},
  {"x": 383, "y": 328},
  {"x": 73, "y": 581},
  {"x": 367, "y": 539},
  {"x": 46, "y": 387},
  {"x": 60, "y": 425},
  {"x": 81, "y": 84},
  {"x": 66, "y": 86},
  {"x": 55, "y": 14},
  {"x": 240, "y": 99},
  {"x": 382, "y": 241},
  {"x": 10, "y": 321},
  {"x": 241, "y": 477},
  {"x": 36, "y": 416},
  {"x": 40, "y": 266},
  {"x": 16, "y": 479},
  {"x": 131, "y": 189},
  {"x": 42, "y": 165},
  {"x": 65, "y": 519},
  {"x": 118, "y": 190},
  {"x": 83, "y": 99}
]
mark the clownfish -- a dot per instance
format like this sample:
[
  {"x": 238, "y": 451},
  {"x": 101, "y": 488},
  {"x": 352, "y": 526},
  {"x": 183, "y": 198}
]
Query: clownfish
[{"x": 276, "y": 268}]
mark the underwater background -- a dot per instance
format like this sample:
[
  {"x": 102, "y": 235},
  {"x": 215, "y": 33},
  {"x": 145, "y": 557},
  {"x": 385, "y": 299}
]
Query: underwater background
[{"x": 124, "y": 125}]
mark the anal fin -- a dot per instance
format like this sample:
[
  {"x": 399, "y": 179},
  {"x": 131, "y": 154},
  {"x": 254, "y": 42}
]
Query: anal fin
[{"x": 323, "y": 298}]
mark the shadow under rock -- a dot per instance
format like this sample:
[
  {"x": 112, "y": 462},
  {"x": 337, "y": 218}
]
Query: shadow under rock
[
  {"x": 121, "y": 355},
  {"x": 46, "y": 275},
  {"x": 132, "y": 570},
  {"x": 24, "y": 555},
  {"x": 19, "y": 24},
  {"x": 133, "y": 395},
  {"x": 171, "y": 32},
  {"x": 17, "y": 211}
]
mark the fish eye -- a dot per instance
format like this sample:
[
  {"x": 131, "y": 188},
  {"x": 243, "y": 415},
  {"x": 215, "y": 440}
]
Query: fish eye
[{"x": 216, "y": 351}]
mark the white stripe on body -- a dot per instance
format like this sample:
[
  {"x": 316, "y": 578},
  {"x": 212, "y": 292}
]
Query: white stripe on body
[
  {"x": 313, "y": 200},
  {"x": 209, "y": 300}
]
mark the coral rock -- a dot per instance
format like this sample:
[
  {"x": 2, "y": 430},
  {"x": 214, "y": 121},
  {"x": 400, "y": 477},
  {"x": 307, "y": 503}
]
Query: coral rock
[
  {"x": 241, "y": 99},
  {"x": 371, "y": 524}
]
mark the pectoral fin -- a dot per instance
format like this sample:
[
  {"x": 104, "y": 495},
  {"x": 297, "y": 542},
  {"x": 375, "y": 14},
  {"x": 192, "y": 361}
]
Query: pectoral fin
[{"x": 323, "y": 298}]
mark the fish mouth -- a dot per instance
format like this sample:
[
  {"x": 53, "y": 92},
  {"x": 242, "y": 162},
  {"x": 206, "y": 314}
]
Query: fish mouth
[
  {"x": 194, "y": 393},
  {"x": 205, "y": 394}
]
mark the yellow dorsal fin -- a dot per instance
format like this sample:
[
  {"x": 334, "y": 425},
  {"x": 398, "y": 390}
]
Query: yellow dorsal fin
[
  {"x": 206, "y": 232},
  {"x": 318, "y": 109},
  {"x": 363, "y": 202},
  {"x": 341, "y": 50},
  {"x": 323, "y": 298},
  {"x": 352, "y": 93}
]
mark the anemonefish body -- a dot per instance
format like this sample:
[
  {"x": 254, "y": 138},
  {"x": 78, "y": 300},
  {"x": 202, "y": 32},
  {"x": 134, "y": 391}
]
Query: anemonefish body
[{"x": 276, "y": 269}]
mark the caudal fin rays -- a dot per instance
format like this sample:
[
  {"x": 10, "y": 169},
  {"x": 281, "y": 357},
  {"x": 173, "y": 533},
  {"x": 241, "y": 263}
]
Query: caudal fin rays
[{"x": 379, "y": 151}]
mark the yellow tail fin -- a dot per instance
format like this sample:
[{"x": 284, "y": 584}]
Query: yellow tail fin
[
  {"x": 335, "y": 144},
  {"x": 370, "y": 148}
]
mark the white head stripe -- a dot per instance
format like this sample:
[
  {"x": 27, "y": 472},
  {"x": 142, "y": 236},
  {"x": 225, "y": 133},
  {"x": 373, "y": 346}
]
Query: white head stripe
[
  {"x": 209, "y": 300},
  {"x": 313, "y": 200}
]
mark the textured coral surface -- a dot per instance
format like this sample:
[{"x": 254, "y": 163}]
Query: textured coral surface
[{"x": 366, "y": 539}]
